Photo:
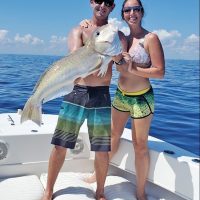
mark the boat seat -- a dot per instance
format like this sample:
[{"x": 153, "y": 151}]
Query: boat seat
[
  {"x": 70, "y": 185},
  {"x": 21, "y": 188}
]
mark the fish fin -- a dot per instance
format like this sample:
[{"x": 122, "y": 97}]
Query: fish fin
[
  {"x": 104, "y": 66},
  {"x": 32, "y": 112}
]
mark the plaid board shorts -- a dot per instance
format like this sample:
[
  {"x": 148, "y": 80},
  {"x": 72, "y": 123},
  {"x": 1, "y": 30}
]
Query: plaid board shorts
[{"x": 85, "y": 102}]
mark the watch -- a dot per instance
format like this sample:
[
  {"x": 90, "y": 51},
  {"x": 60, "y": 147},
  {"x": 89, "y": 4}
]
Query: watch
[{"x": 121, "y": 62}]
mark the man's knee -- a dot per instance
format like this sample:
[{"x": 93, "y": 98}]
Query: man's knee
[{"x": 101, "y": 155}]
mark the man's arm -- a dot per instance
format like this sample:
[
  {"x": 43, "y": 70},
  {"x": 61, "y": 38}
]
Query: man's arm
[{"x": 74, "y": 39}]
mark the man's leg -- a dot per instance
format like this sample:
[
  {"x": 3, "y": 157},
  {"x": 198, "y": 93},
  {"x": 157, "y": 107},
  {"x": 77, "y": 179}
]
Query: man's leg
[
  {"x": 118, "y": 122},
  {"x": 101, "y": 168},
  {"x": 71, "y": 117},
  {"x": 56, "y": 161}
]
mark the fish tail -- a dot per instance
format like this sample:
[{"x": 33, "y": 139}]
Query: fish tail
[{"x": 32, "y": 112}]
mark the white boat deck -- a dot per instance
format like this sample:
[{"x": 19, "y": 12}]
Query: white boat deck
[
  {"x": 25, "y": 150},
  {"x": 69, "y": 185}
]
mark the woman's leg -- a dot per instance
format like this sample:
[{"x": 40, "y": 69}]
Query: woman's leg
[
  {"x": 140, "y": 132},
  {"x": 118, "y": 123}
]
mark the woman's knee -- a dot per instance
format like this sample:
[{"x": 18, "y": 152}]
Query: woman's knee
[
  {"x": 116, "y": 133},
  {"x": 60, "y": 149},
  {"x": 141, "y": 146},
  {"x": 115, "y": 140}
]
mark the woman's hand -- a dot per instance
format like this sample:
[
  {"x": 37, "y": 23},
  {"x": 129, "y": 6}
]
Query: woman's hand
[
  {"x": 132, "y": 68},
  {"x": 127, "y": 60},
  {"x": 127, "y": 57},
  {"x": 85, "y": 23}
]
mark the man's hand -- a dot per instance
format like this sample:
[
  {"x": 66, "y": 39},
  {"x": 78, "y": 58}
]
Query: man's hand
[{"x": 117, "y": 58}]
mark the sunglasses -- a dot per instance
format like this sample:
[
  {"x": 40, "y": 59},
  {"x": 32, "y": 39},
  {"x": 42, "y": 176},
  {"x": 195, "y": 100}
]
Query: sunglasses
[
  {"x": 107, "y": 3},
  {"x": 133, "y": 8}
]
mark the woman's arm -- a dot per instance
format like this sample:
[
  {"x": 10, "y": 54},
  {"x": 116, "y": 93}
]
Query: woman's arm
[{"x": 121, "y": 59}]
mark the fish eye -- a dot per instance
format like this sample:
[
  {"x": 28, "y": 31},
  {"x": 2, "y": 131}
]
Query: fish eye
[{"x": 97, "y": 33}]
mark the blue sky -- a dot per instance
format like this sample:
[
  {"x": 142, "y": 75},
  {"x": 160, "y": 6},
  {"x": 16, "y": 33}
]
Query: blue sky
[{"x": 41, "y": 26}]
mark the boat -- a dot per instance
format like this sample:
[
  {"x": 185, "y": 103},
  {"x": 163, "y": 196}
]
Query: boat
[{"x": 24, "y": 155}]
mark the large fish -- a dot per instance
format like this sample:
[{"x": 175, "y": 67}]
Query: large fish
[{"x": 59, "y": 78}]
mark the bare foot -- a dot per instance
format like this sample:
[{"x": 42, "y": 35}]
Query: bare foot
[
  {"x": 47, "y": 196},
  {"x": 100, "y": 197},
  {"x": 90, "y": 179}
]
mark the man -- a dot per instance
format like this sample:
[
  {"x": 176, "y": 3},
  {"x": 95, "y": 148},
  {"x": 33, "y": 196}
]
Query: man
[{"x": 90, "y": 97}]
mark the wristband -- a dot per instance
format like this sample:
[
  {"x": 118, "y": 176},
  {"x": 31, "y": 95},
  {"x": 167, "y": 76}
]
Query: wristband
[{"x": 121, "y": 62}]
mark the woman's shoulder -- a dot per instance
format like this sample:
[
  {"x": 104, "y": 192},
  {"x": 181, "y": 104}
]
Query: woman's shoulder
[{"x": 151, "y": 37}]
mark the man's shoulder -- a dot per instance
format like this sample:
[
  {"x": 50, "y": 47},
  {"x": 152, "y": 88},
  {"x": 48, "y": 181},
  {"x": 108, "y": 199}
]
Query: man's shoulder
[{"x": 79, "y": 30}]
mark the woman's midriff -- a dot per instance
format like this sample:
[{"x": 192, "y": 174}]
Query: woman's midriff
[{"x": 133, "y": 83}]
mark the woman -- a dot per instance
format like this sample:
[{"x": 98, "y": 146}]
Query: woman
[{"x": 134, "y": 97}]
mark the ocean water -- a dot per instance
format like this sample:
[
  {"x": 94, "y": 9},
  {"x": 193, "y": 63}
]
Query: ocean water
[{"x": 176, "y": 118}]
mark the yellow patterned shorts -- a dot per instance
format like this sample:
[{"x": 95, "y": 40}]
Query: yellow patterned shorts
[{"x": 139, "y": 106}]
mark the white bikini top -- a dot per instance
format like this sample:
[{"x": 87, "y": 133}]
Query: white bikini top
[{"x": 139, "y": 54}]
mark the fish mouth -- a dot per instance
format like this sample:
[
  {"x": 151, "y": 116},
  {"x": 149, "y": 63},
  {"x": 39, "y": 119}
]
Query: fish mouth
[{"x": 106, "y": 42}]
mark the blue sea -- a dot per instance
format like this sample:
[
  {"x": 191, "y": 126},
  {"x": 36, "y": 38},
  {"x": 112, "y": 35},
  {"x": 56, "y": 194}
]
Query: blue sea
[{"x": 176, "y": 118}]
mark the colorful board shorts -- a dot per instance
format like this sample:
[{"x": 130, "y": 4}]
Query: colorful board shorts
[
  {"x": 84, "y": 102},
  {"x": 139, "y": 104}
]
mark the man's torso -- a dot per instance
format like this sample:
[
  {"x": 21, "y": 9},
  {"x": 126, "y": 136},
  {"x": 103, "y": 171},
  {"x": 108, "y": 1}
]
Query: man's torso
[{"x": 93, "y": 79}]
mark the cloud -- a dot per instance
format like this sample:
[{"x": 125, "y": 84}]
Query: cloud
[
  {"x": 57, "y": 45},
  {"x": 31, "y": 44},
  {"x": 28, "y": 39},
  {"x": 190, "y": 44},
  {"x": 3, "y": 34},
  {"x": 4, "y": 40},
  {"x": 168, "y": 38},
  {"x": 166, "y": 35},
  {"x": 58, "y": 40},
  {"x": 192, "y": 39},
  {"x": 174, "y": 44}
]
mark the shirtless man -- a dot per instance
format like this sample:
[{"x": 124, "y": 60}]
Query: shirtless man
[{"x": 91, "y": 92}]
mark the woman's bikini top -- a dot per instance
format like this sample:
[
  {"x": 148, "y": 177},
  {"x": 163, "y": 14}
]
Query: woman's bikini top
[{"x": 139, "y": 54}]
